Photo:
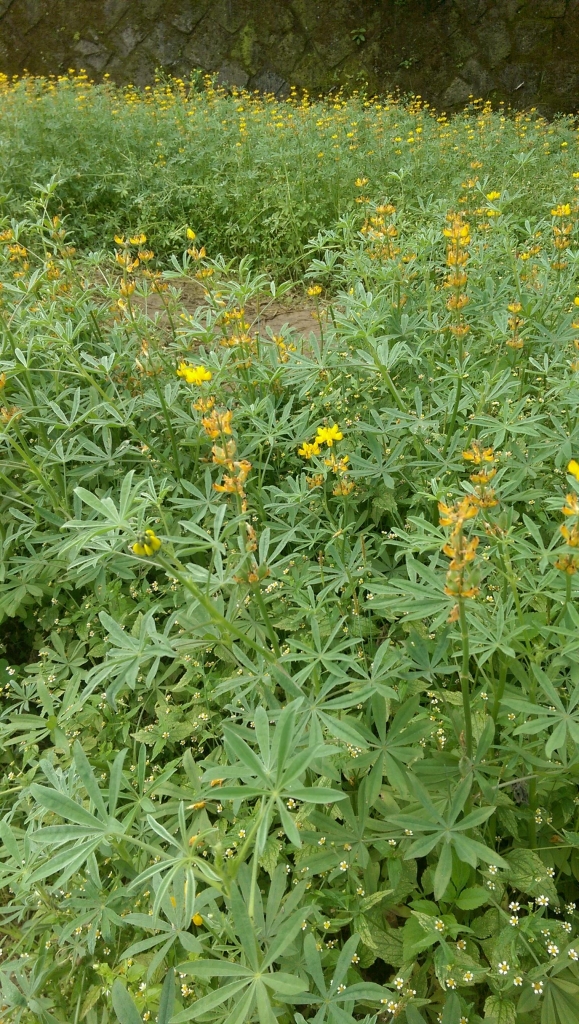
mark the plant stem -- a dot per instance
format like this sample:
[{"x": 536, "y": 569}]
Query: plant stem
[{"x": 465, "y": 678}]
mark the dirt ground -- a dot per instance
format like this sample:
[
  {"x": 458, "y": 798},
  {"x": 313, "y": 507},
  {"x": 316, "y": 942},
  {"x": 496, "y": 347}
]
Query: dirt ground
[{"x": 294, "y": 311}]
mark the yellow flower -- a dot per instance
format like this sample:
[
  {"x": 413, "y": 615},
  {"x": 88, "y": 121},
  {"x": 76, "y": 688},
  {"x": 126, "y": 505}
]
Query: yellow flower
[
  {"x": 194, "y": 374},
  {"x": 360, "y": 182},
  {"x": 571, "y": 506},
  {"x": 573, "y": 468},
  {"x": 147, "y": 544},
  {"x": 217, "y": 423},
  {"x": 493, "y": 195},
  {"x": 315, "y": 289},
  {"x": 197, "y": 919},
  {"x": 191, "y": 234},
  {"x": 327, "y": 435},
  {"x": 138, "y": 239},
  {"x": 120, "y": 239},
  {"x": 561, "y": 210},
  {"x": 308, "y": 450}
]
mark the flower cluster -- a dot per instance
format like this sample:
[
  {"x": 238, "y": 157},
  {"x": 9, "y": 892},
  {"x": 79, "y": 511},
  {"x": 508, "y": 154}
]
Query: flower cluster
[
  {"x": 458, "y": 235},
  {"x": 569, "y": 561}
]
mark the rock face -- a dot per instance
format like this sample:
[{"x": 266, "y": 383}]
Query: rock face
[{"x": 523, "y": 52}]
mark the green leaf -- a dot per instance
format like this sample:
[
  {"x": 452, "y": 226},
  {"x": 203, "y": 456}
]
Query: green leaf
[
  {"x": 167, "y": 1000},
  {"x": 386, "y": 944},
  {"x": 499, "y": 1010},
  {"x": 443, "y": 871},
  {"x": 528, "y": 874},
  {"x": 452, "y": 1012},
  {"x": 470, "y": 899},
  {"x": 560, "y": 1002},
  {"x": 285, "y": 984},
  {"x": 123, "y": 1005}
]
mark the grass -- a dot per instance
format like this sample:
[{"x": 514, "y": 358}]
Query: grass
[{"x": 289, "y": 724}]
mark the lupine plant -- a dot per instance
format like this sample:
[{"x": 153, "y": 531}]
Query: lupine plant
[{"x": 290, "y": 687}]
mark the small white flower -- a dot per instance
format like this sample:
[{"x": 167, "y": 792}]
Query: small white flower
[
  {"x": 514, "y": 921},
  {"x": 515, "y": 907},
  {"x": 399, "y": 983},
  {"x": 439, "y": 925},
  {"x": 552, "y": 949},
  {"x": 542, "y": 901},
  {"x": 573, "y": 954},
  {"x": 493, "y": 869},
  {"x": 503, "y": 967},
  {"x": 517, "y": 980},
  {"x": 537, "y": 987}
]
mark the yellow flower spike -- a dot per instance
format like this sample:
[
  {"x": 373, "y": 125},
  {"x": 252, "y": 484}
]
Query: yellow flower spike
[
  {"x": 120, "y": 239},
  {"x": 147, "y": 544},
  {"x": 327, "y": 435},
  {"x": 573, "y": 468},
  {"x": 315, "y": 289},
  {"x": 138, "y": 239},
  {"x": 493, "y": 195},
  {"x": 561, "y": 210}
]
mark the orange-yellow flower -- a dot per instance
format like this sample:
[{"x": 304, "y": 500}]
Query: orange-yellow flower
[{"x": 217, "y": 423}]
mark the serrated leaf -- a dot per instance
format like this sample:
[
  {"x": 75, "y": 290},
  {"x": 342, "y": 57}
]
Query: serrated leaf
[
  {"x": 270, "y": 855},
  {"x": 527, "y": 873},
  {"x": 500, "y": 1011}
]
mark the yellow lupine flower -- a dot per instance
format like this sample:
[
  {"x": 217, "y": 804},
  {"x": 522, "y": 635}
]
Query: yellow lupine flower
[
  {"x": 191, "y": 234},
  {"x": 147, "y": 544},
  {"x": 561, "y": 210},
  {"x": 327, "y": 435},
  {"x": 308, "y": 450},
  {"x": 194, "y": 374},
  {"x": 571, "y": 506},
  {"x": 573, "y": 468},
  {"x": 197, "y": 919}
]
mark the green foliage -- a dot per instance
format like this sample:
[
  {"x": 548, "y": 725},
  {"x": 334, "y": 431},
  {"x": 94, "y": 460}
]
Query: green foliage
[
  {"x": 288, "y": 728},
  {"x": 252, "y": 175}
]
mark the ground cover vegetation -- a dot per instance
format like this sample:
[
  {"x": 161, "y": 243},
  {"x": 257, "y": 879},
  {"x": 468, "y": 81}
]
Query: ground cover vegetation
[{"x": 290, "y": 683}]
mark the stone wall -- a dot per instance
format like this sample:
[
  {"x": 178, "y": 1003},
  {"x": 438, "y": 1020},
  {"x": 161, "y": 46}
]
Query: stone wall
[{"x": 525, "y": 52}]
